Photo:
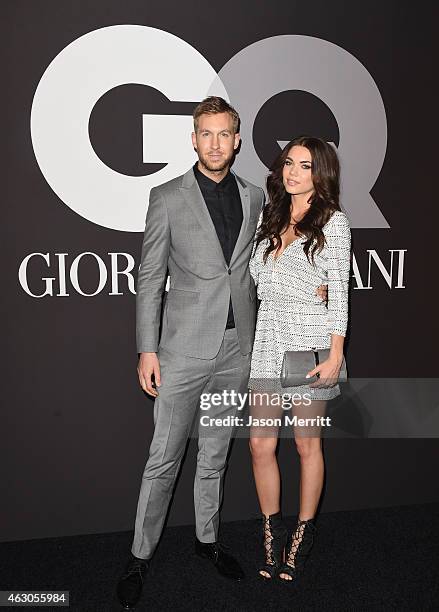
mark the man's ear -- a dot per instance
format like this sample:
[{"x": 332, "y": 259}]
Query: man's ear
[
  {"x": 194, "y": 140},
  {"x": 237, "y": 140}
]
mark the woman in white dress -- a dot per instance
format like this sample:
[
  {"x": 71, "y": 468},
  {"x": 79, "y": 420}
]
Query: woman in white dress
[{"x": 303, "y": 241}]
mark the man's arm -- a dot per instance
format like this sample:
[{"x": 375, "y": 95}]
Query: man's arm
[{"x": 150, "y": 284}]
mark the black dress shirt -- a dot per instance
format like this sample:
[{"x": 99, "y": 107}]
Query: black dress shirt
[{"x": 224, "y": 204}]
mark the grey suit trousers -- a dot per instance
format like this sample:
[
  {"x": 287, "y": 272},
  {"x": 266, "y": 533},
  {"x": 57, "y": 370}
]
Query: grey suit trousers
[{"x": 184, "y": 379}]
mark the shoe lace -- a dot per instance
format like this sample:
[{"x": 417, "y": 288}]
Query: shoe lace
[
  {"x": 300, "y": 537},
  {"x": 220, "y": 547},
  {"x": 223, "y": 547},
  {"x": 135, "y": 566},
  {"x": 268, "y": 539},
  {"x": 217, "y": 548}
]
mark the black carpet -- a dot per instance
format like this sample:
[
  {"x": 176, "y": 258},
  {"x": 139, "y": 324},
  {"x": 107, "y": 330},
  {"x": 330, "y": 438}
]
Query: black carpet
[{"x": 383, "y": 559}]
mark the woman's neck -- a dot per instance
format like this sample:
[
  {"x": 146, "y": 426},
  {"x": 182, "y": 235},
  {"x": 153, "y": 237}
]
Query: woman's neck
[{"x": 299, "y": 205}]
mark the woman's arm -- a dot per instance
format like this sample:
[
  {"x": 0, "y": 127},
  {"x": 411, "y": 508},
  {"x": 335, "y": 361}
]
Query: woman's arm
[{"x": 338, "y": 246}]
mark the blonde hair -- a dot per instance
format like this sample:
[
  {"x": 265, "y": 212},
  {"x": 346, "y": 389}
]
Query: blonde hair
[{"x": 212, "y": 106}]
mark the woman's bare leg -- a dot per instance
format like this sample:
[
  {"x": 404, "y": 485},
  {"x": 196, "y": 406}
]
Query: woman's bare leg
[
  {"x": 312, "y": 469},
  {"x": 266, "y": 473},
  {"x": 263, "y": 443}
]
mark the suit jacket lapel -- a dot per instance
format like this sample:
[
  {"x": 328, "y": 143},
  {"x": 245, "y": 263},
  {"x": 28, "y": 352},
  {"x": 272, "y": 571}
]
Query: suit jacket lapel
[
  {"x": 245, "y": 201},
  {"x": 194, "y": 198}
]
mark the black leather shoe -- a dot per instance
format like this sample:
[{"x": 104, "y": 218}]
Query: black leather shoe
[
  {"x": 226, "y": 565},
  {"x": 129, "y": 587}
]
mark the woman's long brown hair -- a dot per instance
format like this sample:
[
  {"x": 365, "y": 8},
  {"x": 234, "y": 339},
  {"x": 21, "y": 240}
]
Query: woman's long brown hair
[{"x": 325, "y": 172}]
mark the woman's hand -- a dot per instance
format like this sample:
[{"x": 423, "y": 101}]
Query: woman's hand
[
  {"x": 328, "y": 372},
  {"x": 322, "y": 292}
]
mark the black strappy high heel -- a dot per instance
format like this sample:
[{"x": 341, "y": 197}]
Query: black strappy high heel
[
  {"x": 298, "y": 550},
  {"x": 274, "y": 537}
]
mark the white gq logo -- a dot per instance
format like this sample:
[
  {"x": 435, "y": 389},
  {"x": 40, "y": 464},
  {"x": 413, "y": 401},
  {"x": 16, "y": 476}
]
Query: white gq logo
[
  {"x": 70, "y": 87},
  {"x": 106, "y": 58}
]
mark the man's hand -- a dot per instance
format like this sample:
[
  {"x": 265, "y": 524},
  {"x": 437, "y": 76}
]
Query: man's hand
[
  {"x": 322, "y": 292},
  {"x": 147, "y": 367}
]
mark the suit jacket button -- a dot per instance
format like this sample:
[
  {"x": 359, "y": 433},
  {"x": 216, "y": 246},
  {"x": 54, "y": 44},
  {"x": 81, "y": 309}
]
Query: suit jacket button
[{"x": 229, "y": 271}]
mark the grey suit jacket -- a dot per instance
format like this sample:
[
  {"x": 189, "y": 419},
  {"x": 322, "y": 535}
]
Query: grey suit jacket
[{"x": 180, "y": 238}]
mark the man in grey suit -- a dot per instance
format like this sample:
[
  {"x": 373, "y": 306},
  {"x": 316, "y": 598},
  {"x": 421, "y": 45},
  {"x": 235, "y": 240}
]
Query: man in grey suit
[{"x": 200, "y": 228}]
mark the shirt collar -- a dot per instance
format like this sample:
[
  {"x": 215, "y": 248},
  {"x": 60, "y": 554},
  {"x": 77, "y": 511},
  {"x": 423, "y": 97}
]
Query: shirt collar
[{"x": 207, "y": 183}]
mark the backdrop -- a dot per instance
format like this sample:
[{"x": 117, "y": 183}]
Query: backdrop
[{"x": 97, "y": 110}]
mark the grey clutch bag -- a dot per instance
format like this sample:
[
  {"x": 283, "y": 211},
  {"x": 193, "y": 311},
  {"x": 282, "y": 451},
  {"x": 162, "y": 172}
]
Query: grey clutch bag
[{"x": 296, "y": 365}]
